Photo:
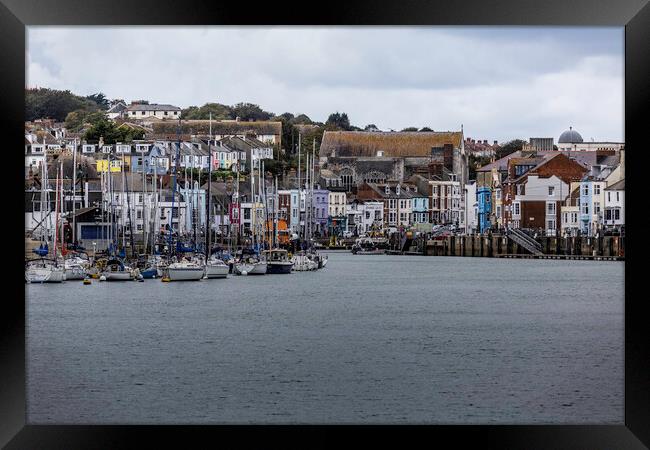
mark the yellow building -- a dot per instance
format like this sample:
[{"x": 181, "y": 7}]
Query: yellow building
[{"x": 103, "y": 165}]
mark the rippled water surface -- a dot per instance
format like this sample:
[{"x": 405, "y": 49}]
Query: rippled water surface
[{"x": 368, "y": 339}]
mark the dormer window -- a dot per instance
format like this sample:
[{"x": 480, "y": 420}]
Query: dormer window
[
  {"x": 387, "y": 190},
  {"x": 397, "y": 189}
]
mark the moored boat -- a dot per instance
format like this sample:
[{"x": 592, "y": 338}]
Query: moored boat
[
  {"x": 185, "y": 270},
  {"x": 277, "y": 261},
  {"x": 115, "y": 270},
  {"x": 44, "y": 271},
  {"x": 216, "y": 268}
]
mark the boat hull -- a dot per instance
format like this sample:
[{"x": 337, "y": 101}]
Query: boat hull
[
  {"x": 279, "y": 267},
  {"x": 259, "y": 269},
  {"x": 117, "y": 276},
  {"x": 185, "y": 274},
  {"x": 217, "y": 271},
  {"x": 44, "y": 275},
  {"x": 149, "y": 273},
  {"x": 75, "y": 274}
]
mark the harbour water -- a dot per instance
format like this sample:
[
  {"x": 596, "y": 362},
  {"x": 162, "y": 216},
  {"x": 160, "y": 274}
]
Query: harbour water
[{"x": 368, "y": 339}]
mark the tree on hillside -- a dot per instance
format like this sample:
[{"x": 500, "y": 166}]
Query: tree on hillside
[
  {"x": 370, "y": 127},
  {"x": 112, "y": 133},
  {"x": 76, "y": 120},
  {"x": 219, "y": 112},
  {"x": 425, "y": 129},
  {"x": 249, "y": 111},
  {"x": 100, "y": 100},
  {"x": 338, "y": 121},
  {"x": 410, "y": 129},
  {"x": 476, "y": 162},
  {"x": 50, "y": 103},
  {"x": 302, "y": 119},
  {"x": 510, "y": 147}
]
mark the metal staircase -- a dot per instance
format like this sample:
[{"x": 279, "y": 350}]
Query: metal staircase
[{"x": 524, "y": 240}]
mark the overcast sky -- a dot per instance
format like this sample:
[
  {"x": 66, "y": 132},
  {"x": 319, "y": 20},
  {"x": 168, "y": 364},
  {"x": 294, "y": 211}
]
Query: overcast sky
[{"x": 499, "y": 82}]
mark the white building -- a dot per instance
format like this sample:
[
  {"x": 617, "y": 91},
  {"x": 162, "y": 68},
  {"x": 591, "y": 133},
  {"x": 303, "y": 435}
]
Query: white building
[
  {"x": 614, "y": 216},
  {"x": 144, "y": 110},
  {"x": 551, "y": 190},
  {"x": 446, "y": 202},
  {"x": 471, "y": 208},
  {"x": 364, "y": 217},
  {"x": 337, "y": 204}
]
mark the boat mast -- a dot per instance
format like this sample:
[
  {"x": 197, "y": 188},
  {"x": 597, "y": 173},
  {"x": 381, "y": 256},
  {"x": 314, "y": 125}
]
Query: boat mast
[
  {"x": 312, "y": 178},
  {"x": 145, "y": 221},
  {"x": 56, "y": 216},
  {"x": 171, "y": 215},
  {"x": 299, "y": 192},
  {"x": 276, "y": 200},
  {"x": 62, "y": 208},
  {"x": 209, "y": 200},
  {"x": 74, "y": 191}
]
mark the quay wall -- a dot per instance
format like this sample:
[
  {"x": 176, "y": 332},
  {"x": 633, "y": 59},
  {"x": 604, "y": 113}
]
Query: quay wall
[{"x": 501, "y": 246}]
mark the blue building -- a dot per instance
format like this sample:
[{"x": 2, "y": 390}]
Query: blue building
[
  {"x": 484, "y": 198},
  {"x": 156, "y": 161},
  {"x": 421, "y": 210}
]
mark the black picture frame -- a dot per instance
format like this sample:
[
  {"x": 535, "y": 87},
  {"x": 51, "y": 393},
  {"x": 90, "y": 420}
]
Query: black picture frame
[{"x": 634, "y": 15}]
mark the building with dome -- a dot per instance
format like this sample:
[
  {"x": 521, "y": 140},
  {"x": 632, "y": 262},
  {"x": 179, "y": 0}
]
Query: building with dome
[{"x": 572, "y": 141}]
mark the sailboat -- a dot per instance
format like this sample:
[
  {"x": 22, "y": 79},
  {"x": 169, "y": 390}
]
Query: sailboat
[
  {"x": 277, "y": 259},
  {"x": 186, "y": 268},
  {"x": 251, "y": 261},
  {"x": 45, "y": 270},
  {"x": 215, "y": 267}
]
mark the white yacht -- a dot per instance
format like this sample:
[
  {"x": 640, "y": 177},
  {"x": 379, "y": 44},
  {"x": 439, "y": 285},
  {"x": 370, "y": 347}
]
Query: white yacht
[
  {"x": 186, "y": 270},
  {"x": 216, "y": 268},
  {"x": 43, "y": 271}
]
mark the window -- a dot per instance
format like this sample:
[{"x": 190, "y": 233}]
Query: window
[
  {"x": 550, "y": 224},
  {"x": 138, "y": 227},
  {"x": 516, "y": 206},
  {"x": 596, "y": 207},
  {"x": 609, "y": 196},
  {"x": 133, "y": 113},
  {"x": 574, "y": 217},
  {"x": 585, "y": 189},
  {"x": 551, "y": 189},
  {"x": 367, "y": 214},
  {"x": 608, "y": 214},
  {"x": 142, "y": 113},
  {"x": 596, "y": 189},
  {"x": 139, "y": 214},
  {"x": 550, "y": 208},
  {"x": 498, "y": 211},
  {"x": 498, "y": 194},
  {"x": 617, "y": 199},
  {"x": 617, "y": 214},
  {"x": 585, "y": 209},
  {"x": 175, "y": 213},
  {"x": 166, "y": 113},
  {"x": 175, "y": 113}
]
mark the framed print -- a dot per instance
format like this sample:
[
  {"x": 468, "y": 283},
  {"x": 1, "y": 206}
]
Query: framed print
[{"x": 399, "y": 220}]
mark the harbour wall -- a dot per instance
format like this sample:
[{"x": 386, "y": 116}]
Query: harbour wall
[{"x": 610, "y": 247}]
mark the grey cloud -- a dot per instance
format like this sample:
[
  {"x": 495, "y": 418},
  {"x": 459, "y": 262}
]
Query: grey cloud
[{"x": 498, "y": 82}]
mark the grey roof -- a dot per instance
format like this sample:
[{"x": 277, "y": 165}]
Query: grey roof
[
  {"x": 116, "y": 108},
  {"x": 152, "y": 107},
  {"x": 570, "y": 136},
  {"x": 619, "y": 186}
]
